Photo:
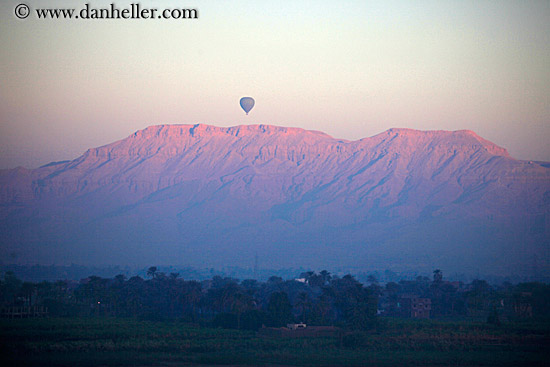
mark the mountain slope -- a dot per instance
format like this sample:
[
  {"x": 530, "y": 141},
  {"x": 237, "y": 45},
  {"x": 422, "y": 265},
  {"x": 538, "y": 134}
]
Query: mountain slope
[{"x": 215, "y": 196}]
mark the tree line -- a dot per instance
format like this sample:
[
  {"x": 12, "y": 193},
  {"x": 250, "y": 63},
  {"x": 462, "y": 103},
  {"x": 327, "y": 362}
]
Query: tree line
[{"x": 313, "y": 298}]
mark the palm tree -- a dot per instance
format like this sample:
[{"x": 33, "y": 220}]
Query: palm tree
[
  {"x": 279, "y": 308},
  {"x": 191, "y": 296},
  {"x": 152, "y": 271},
  {"x": 326, "y": 276},
  {"x": 304, "y": 304},
  {"x": 240, "y": 303},
  {"x": 438, "y": 276}
]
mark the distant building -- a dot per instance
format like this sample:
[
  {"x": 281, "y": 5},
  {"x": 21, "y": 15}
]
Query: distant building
[
  {"x": 415, "y": 307},
  {"x": 23, "y": 312},
  {"x": 296, "y": 326},
  {"x": 522, "y": 305}
]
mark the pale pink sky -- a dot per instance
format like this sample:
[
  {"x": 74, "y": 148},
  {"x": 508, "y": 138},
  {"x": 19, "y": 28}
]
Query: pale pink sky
[{"x": 349, "y": 68}]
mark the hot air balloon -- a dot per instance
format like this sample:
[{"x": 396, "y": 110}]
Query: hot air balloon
[{"x": 247, "y": 103}]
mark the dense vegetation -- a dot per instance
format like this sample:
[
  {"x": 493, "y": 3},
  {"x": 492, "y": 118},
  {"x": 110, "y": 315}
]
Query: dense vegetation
[
  {"x": 220, "y": 301},
  {"x": 117, "y": 321},
  {"x": 313, "y": 298}
]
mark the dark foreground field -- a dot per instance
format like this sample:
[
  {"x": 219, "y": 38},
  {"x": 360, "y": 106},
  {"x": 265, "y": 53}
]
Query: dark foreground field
[{"x": 127, "y": 342}]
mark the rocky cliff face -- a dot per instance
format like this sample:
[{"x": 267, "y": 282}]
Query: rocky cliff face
[{"x": 211, "y": 196}]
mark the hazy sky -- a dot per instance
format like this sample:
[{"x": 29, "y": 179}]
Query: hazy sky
[{"x": 349, "y": 68}]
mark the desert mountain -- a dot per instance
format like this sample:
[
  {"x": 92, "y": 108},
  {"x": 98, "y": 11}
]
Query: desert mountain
[{"x": 213, "y": 196}]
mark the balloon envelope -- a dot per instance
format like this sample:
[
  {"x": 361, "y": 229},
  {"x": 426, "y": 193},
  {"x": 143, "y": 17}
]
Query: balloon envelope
[{"x": 247, "y": 103}]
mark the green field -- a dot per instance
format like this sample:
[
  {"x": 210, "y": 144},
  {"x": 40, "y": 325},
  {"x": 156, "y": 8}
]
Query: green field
[{"x": 128, "y": 342}]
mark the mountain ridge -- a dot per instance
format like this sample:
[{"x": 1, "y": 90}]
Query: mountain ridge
[{"x": 248, "y": 186}]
